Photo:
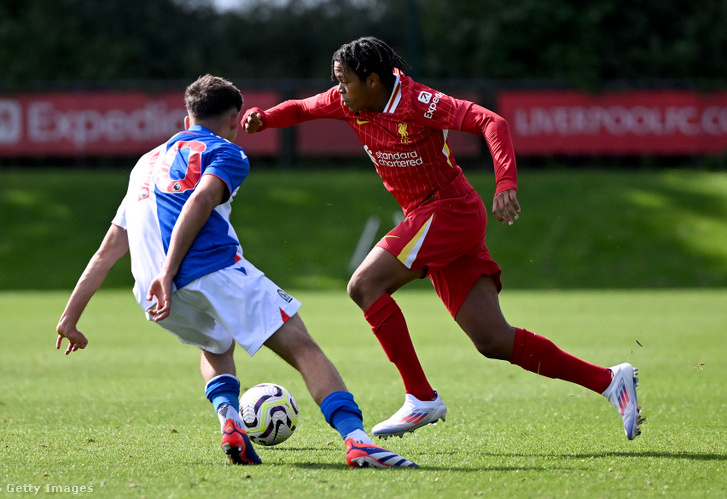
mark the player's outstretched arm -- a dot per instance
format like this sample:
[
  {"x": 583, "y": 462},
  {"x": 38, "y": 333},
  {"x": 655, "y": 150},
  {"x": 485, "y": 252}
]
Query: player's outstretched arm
[
  {"x": 294, "y": 111},
  {"x": 114, "y": 245}
]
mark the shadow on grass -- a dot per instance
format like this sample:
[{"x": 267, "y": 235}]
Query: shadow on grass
[{"x": 697, "y": 456}]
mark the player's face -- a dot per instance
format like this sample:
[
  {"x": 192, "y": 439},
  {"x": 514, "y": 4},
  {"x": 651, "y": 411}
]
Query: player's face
[{"x": 355, "y": 93}]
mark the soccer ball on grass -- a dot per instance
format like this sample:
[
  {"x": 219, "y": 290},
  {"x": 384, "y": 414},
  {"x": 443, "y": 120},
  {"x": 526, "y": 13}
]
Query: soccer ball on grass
[{"x": 269, "y": 412}]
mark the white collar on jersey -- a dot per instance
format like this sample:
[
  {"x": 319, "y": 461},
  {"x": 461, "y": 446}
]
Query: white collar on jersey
[{"x": 395, "y": 94}]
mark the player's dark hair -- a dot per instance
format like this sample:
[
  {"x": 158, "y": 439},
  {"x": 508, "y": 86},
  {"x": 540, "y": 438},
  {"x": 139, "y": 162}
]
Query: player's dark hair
[
  {"x": 369, "y": 55},
  {"x": 211, "y": 97}
]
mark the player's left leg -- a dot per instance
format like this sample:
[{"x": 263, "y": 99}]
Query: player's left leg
[
  {"x": 430, "y": 238},
  {"x": 371, "y": 288},
  {"x": 380, "y": 274},
  {"x": 294, "y": 345},
  {"x": 481, "y": 318}
]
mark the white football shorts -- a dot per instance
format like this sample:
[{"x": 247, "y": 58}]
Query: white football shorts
[{"x": 236, "y": 303}]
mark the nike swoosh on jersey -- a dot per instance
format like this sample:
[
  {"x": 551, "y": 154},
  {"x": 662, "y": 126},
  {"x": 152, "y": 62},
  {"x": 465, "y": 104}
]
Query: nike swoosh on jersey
[
  {"x": 390, "y": 235},
  {"x": 361, "y": 122}
]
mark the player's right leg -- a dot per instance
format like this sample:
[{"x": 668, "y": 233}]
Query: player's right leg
[
  {"x": 217, "y": 365},
  {"x": 481, "y": 318},
  {"x": 222, "y": 389}
]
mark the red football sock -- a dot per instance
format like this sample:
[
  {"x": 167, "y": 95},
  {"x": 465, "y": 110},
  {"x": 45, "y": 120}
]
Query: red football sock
[
  {"x": 540, "y": 355},
  {"x": 388, "y": 324}
]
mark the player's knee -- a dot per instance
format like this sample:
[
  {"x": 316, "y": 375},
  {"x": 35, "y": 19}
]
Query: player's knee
[
  {"x": 356, "y": 290},
  {"x": 492, "y": 347},
  {"x": 486, "y": 348}
]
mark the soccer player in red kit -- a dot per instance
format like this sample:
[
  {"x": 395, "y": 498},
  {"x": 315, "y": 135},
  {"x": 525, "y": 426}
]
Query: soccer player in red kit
[{"x": 403, "y": 127}]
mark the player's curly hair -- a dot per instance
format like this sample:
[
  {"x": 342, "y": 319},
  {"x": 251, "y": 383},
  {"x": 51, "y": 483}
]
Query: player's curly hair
[
  {"x": 211, "y": 97},
  {"x": 369, "y": 55}
]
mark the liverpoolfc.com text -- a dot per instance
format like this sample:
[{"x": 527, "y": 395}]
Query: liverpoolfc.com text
[{"x": 47, "y": 488}]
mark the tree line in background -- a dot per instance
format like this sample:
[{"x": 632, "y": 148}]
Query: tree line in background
[{"x": 577, "y": 43}]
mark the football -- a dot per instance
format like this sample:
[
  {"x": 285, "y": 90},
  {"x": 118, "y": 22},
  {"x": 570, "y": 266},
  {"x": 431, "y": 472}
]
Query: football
[{"x": 269, "y": 412}]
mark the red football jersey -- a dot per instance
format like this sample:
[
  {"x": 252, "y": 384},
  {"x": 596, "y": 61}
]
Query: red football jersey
[{"x": 407, "y": 142}]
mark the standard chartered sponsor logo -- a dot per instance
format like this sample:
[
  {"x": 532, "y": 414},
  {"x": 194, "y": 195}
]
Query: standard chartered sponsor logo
[
  {"x": 399, "y": 159},
  {"x": 395, "y": 159},
  {"x": 371, "y": 155}
]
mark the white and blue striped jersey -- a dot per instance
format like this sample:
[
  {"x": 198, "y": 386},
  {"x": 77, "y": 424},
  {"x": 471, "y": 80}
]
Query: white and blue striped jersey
[{"x": 159, "y": 185}]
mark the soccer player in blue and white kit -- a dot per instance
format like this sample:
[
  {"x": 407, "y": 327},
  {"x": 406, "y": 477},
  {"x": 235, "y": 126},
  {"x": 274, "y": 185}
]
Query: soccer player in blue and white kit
[{"x": 192, "y": 279}]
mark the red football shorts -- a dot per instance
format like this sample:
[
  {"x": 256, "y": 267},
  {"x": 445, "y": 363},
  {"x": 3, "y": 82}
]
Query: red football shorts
[{"x": 446, "y": 238}]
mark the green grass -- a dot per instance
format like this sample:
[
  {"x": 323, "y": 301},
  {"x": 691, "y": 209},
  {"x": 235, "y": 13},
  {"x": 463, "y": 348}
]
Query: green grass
[
  {"x": 128, "y": 416},
  {"x": 580, "y": 229}
]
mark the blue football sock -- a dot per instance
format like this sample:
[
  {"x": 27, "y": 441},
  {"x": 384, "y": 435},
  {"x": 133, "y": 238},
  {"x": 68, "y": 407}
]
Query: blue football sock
[
  {"x": 223, "y": 389},
  {"x": 342, "y": 413}
]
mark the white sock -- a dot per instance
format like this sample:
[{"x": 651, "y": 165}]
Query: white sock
[
  {"x": 225, "y": 412},
  {"x": 359, "y": 436}
]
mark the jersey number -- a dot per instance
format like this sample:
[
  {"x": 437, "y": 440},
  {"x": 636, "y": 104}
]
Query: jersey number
[{"x": 159, "y": 166}]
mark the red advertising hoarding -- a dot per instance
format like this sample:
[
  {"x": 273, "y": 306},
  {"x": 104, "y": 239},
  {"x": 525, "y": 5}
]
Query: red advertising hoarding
[
  {"x": 104, "y": 123},
  {"x": 619, "y": 123},
  {"x": 541, "y": 122}
]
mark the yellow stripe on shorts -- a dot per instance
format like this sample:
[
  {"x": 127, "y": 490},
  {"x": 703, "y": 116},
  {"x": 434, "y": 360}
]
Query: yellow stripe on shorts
[{"x": 409, "y": 254}]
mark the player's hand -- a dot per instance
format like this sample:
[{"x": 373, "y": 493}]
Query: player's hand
[
  {"x": 252, "y": 122},
  {"x": 161, "y": 290},
  {"x": 505, "y": 206},
  {"x": 76, "y": 339}
]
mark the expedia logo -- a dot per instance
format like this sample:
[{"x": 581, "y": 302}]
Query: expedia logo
[
  {"x": 425, "y": 97},
  {"x": 10, "y": 121},
  {"x": 433, "y": 105}
]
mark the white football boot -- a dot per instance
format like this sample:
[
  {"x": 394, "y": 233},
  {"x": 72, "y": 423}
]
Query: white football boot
[
  {"x": 622, "y": 395},
  {"x": 413, "y": 414}
]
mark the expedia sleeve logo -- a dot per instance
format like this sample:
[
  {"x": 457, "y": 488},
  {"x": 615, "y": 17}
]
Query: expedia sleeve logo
[{"x": 425, "y": 97}]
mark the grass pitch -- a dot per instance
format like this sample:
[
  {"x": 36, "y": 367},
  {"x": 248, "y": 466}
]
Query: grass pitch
[{"x": 127, "y": 417}]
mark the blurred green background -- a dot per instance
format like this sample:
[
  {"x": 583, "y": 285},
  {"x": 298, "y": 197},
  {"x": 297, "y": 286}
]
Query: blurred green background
[{"x": 580, "y": 228}]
